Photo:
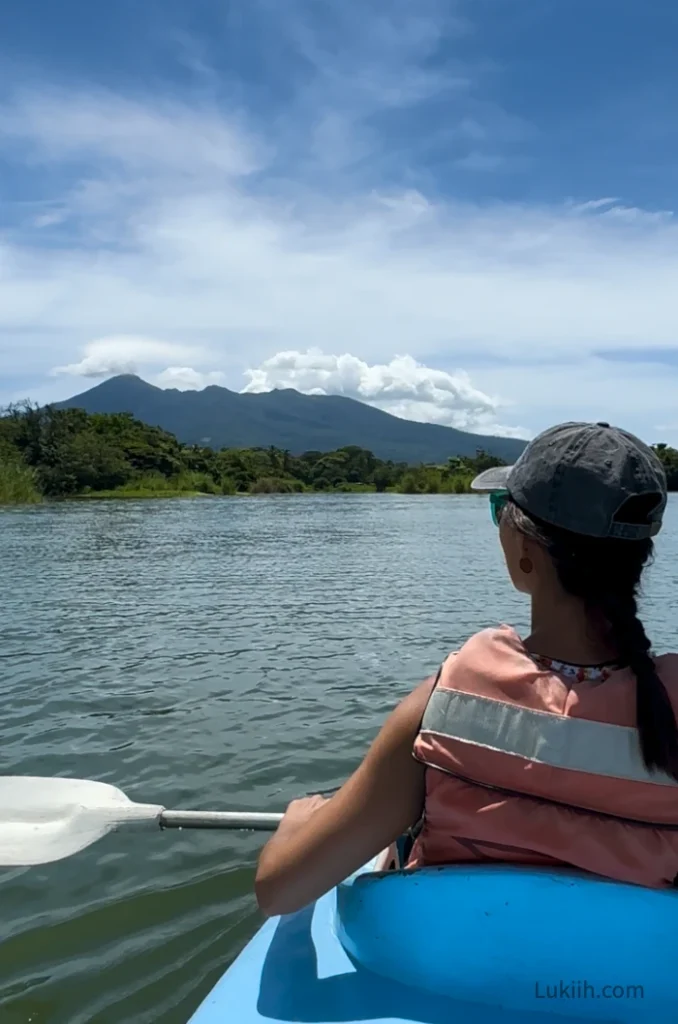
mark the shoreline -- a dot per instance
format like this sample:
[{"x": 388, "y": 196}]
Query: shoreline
[{"x": 171, "y": 495}]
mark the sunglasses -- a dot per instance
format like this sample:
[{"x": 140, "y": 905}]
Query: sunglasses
[{"x": 498, "y": 500}]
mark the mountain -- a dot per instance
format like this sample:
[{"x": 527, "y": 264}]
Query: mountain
[{"x": 287, "y": 419}]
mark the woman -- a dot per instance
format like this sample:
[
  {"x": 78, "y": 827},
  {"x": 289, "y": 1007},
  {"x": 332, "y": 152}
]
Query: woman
[{"x": 560, "y": 749}]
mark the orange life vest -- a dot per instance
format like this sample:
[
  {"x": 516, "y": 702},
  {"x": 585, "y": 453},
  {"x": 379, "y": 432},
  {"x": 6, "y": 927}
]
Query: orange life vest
[{"x": 527, "y": 766}]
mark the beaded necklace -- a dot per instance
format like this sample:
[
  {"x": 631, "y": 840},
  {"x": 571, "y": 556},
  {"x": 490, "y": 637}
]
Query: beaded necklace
[{"x": 578, "y": 673}]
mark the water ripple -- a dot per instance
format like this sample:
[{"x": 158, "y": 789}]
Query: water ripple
[{"x": 222, "y": 654}]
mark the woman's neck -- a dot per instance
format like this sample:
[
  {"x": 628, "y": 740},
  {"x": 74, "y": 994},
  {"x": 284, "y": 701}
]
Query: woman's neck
[{"x": 565, "y": 630}]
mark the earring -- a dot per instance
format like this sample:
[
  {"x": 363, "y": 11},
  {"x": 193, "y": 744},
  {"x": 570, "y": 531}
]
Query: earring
[{"x": 525, "y": 566}]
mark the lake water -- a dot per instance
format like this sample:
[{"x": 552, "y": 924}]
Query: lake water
[{"x": 215, "y": 654}]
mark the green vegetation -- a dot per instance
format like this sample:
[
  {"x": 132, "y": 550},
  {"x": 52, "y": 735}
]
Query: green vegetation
[
  {"x": 18, "y": 481},
  {"x": 17, "y": 484},
  {"x": 669, "y": 459},
  {"x": 68, "y": 453}
]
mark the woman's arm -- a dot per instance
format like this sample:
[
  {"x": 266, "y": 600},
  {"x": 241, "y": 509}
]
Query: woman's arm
[{"x": 320, "y": 842}]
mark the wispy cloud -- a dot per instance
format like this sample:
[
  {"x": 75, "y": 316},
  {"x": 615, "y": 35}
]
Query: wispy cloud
[
  {"x": 378, "y": 55},
  {"x": 391, "y": 272},
  {"x": 50, "y": 126},
  {"x": 595, "y": 204}
]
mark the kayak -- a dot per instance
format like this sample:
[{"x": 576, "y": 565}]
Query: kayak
[{"x": 513, "y": 946}]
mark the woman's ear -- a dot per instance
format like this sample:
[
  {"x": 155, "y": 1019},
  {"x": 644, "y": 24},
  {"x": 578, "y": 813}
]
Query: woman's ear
[
  {"x": 529, "y": 553},
  {"x": 535, "y": 565},
  {"x": 513, "y": 546},
  {"x": 526, "y": 547}
]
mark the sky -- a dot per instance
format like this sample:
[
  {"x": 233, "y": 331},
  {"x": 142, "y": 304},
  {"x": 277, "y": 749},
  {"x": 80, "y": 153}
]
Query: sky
[{"x": 460, "y": 211}]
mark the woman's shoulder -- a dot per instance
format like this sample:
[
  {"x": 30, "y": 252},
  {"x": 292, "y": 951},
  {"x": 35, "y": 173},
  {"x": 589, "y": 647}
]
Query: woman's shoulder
[
  {"x": 501, "y": 638},
  {"x": 667, "y": 669},
  {"x": 482, "y": 645}
]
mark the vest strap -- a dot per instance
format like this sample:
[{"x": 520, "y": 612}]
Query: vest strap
[{"x": 559, "y": 741}]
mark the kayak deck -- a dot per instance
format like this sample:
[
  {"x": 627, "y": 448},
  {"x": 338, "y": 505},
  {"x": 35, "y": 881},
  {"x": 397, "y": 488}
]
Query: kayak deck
[
  {"x": 296, "y": 970},
  {"x": 459, "y": 945}
]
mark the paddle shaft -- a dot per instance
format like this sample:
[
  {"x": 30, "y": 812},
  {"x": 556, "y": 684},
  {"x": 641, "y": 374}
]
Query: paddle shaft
[
  {"x": 253, "y": 821},
  {"x": 250, "y": 821}
]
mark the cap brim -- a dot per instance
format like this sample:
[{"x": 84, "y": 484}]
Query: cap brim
[{"x": 494, "y": 479}]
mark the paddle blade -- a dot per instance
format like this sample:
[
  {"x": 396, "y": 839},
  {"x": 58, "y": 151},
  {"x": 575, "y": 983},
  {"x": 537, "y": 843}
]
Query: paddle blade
[{"x": 43, "y": 819}]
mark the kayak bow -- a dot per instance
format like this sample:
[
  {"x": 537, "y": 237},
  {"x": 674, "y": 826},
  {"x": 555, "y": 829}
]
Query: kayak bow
[{"x": 514, "y": 946}]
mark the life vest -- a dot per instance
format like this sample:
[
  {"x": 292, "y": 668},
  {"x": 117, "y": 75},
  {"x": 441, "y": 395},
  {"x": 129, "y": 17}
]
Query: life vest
[{"x": 527, "y": 766}]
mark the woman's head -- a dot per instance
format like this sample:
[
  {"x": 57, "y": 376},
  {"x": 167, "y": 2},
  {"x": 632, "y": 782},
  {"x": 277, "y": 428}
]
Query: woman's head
[
  {"x": 545, "y": 561},
  {"x": 582, "y": 495},
  {"x": 581, "y": 477},
  {"x": 576, "y": 517}
]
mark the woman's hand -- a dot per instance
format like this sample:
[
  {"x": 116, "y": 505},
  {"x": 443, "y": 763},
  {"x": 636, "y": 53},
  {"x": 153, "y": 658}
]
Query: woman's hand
[{"x": 300, "y": 811}]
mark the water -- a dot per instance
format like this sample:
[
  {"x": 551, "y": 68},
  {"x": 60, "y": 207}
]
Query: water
[{"x": 216, "y": 654}]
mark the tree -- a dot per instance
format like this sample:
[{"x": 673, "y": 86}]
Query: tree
[{"x": 669, "y": 460}]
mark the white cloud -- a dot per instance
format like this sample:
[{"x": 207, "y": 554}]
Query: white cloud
[
  {"x": 402, "y": 387},
  {"x": 124, "y": 354},
  {"x": 185, "y": 378}
]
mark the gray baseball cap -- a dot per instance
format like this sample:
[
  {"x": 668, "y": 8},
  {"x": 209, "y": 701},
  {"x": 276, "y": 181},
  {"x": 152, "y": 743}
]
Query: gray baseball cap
[{"x": 578, "y": 476}]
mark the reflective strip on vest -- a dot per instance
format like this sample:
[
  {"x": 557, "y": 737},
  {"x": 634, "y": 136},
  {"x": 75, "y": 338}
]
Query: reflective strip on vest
[{"x": 558, "y": 741}]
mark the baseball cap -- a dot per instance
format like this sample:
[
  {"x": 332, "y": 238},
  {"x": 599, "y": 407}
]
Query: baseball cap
[{"x": 579, "y": 477}]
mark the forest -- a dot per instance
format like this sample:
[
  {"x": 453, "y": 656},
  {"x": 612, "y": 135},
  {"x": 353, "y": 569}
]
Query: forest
[{"x": 48, "y": 453}]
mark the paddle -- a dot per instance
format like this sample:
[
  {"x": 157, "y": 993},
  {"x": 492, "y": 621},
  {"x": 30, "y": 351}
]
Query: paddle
[{"x": 43, "y": 819}]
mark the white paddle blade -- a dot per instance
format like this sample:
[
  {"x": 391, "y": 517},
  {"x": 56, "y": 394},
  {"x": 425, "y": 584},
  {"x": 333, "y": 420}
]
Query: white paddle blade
[{"x": 43, "y": 819}]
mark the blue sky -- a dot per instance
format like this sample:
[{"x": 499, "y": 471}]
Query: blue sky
[{"x": 458, "y": 211}]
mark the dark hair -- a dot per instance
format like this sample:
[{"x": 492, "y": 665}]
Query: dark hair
[{"x": 605, "y": 574}]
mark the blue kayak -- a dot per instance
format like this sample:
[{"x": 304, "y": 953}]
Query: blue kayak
[{"x": 459, "y": 945}]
